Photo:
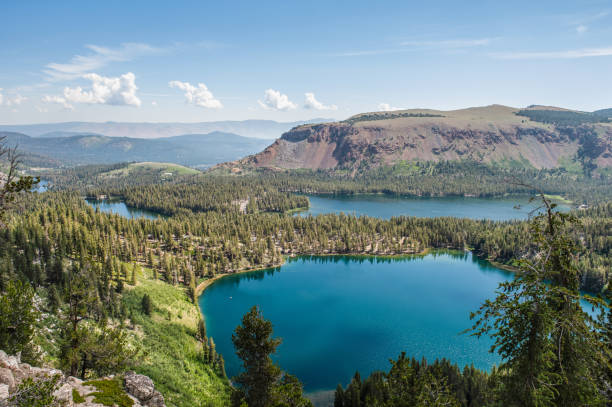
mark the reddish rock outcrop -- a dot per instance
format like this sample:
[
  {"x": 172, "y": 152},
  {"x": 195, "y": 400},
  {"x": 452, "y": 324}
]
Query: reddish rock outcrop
[{"x": 489, "y": 134}]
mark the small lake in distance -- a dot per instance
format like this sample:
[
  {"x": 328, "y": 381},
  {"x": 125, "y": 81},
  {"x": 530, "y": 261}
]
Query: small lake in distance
[
  {"x": 386, "y": 206},
  {"x": 339, "y": 314},
  {"x": 120, "y": 208},
  {"x": 41, "y": 186}
]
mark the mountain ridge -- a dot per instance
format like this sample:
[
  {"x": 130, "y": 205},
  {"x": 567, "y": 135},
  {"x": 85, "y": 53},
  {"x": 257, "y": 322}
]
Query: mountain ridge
[
  {"x": 269, "y": 129},
  {"x": 488, "y": 134},
  {"x": 201, "y": 150}
]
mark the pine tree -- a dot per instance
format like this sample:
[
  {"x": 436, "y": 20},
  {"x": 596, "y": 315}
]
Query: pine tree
[
  {"x": 135, "y": 270},
  {"x": 81, "y": 300},
  {"x": 17, "y": 317},
  {"x": 146, "y": 304},
  {"x": 201, "y": 332},
  {"x": 12, "y": 184},
  {"x": 254, "y": 345},
  {"x": 124, "y": 271},
  {"x": 339, "y": 397},
  {"x": 212, "y": 351},
  {"x": 549, "y": 345},
  {"x": 222, "y": 367},
  {"x": 205, "y": 351}
]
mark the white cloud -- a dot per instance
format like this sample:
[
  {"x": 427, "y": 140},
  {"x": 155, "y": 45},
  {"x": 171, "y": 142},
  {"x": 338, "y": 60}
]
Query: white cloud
[
  {"x": 116, "y": 91},
  {"x": 198, "y": 96},
  {"x": 17, "y": 100},
  {"x": 274, "y": 100},
  {"x": 79, "y": 65},
  {"x": 385, "y": 107},
  {"x": 567, "y": 54},
  {"x": 11, "y": 101},
  {"x": 311, "y": 102},
  {"x": 582, "y": 23},
  {"x": 59, "y": 100}
]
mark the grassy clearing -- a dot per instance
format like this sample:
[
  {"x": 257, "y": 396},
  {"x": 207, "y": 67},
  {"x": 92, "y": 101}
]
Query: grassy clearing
[
  {"x": 168, "y": 167},
  {"x": 161, "y": 168},
  {"x": 513, "y": 163},
  {"x": 572, "y": 166},
  {"x": 173, "y": 358},
  {"x": 109, "y": 393},
  {"x": 558, "y": 199}
]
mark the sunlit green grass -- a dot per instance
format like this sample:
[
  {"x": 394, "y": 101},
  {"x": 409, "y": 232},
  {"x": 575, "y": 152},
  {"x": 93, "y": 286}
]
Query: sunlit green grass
[{"x": 173, "y": 356}]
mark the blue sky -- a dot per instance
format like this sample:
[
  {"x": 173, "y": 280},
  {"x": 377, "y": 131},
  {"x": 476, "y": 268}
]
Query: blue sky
[{"x": 289, "y": 60}]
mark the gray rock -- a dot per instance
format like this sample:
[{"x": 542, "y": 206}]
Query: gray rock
[
  {"x": 6, "y": 377},
  {"x": 4, "y": 391},
  {"x": 64, "y": 393},
  {"x": 135, "y": 400},
  {"x": 12, "y": 362},
  {"x": 20, "y": 375},
  {"x": 156, "y": 400},
  {"x": 139, "y": 386}
]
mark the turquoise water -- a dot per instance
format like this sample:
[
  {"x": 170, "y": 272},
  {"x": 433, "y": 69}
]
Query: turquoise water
[
  {"x": 339, "y": 314},
  {"x": 385, "y": 206},
  {"x": 41, "y": 186},
  {"x": 120, "y": 208}
]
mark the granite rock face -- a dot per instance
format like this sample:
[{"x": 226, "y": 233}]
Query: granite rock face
[
  {"x": 12, "y": 373},
  {"x": 143, "y": 389}
]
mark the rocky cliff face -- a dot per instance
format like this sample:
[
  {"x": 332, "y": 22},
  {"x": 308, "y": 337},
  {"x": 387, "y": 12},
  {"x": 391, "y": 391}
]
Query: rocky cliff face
[
  {"x": 71, "y": 391},
  {"x": 488, "y": 134}
]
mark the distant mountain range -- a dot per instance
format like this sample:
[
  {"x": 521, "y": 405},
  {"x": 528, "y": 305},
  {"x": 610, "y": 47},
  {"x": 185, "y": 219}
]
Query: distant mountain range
[
  {"x": 197, "y": 150},
  {"x": 267, "y": 129},
  {"x": 538, "y": 136}
]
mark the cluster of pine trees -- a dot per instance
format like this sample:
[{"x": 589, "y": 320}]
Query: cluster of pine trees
[
  {"x": 410, "y": 382},
  {"x": 444, "y": 178},
  {"x": 213, "y": 194},
  {"x": 187, "y": 247}
]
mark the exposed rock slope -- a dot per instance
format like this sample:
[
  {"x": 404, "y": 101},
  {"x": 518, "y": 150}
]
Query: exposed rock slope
[
  {"x": 485, "y": 134},
  {"x": 138, "y": 388}
]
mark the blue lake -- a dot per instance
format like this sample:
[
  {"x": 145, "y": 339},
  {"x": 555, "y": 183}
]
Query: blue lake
[
  {"x": 339, "y": 314},
  {"x": 385, "y": 206},
  {"x": 41, "y": 186},
  {"x": 120, "y": 208}
]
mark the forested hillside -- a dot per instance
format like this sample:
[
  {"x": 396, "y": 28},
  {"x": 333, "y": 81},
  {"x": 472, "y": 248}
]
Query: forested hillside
[
  {"x": 201, "y": 150},
  {"x": 141, "y": 276}
]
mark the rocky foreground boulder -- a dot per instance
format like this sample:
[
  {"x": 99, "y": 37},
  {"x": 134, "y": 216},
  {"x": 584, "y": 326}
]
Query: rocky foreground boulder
[{"x": 133, "y": 389}]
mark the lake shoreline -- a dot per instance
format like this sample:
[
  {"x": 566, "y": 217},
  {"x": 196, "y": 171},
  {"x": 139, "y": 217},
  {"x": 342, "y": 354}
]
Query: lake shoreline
[
  {"x": 558, "y": 198},
  {"x": 430, "y": 250},
  {"x": 207, "y": 283}
]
